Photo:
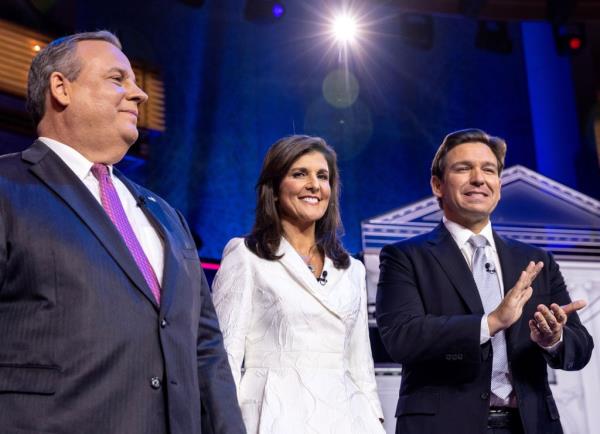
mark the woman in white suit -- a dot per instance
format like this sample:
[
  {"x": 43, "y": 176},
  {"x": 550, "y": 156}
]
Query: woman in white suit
[{"x": 292, "y": 304}]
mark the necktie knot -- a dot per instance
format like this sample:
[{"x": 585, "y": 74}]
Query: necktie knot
[
  {"x": 478, "y": 241},
  {"x": 99, "y": 171}
]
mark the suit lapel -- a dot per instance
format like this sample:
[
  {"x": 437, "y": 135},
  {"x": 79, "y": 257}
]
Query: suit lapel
[
  {"x": 444, "y": 249},
  {"x": 53, "y": 172},
  {"x": 296, "y": 267}
]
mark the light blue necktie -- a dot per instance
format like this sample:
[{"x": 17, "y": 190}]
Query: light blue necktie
[{"x": 486, "y": 278}]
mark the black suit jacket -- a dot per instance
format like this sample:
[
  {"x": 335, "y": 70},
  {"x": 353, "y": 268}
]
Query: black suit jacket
[
  {"x": 84, "y": 348},
  {"x": 429, "y": 314}
]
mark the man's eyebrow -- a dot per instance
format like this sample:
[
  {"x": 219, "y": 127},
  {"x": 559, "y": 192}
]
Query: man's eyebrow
[
  {"x": 117, "y": 69},
  {"x": 458, "y": 163},
  {"x": 470, "y": 163}
]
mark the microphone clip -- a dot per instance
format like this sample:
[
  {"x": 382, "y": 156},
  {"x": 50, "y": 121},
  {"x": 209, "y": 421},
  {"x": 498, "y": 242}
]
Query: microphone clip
[
  {"x": 490, "y": 267},
  {"x": 322, "y": 279}
]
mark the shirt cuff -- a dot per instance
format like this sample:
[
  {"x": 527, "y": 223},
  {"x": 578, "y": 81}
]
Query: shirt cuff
[
  {"x": 484, "y": 334},
  {"x": 553, "y": 349}
]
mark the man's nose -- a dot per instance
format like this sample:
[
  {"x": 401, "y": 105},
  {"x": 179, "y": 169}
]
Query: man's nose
[
  {"x": 137, "y": 94},
  {"x": 477, "y": 176}
]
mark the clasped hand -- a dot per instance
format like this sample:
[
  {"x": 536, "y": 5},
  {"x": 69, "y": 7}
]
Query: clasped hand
[{"x": 547, "y": 323}]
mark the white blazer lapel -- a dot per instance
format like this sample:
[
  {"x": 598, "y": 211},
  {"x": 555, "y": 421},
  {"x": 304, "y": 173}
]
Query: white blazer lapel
[{"x": 297, "y": 268}]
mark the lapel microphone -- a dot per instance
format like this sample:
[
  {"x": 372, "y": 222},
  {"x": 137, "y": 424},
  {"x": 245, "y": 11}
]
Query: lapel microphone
[
  {"x": 141, "y": 201},
  {"x": 490, "y": 267},
  {"x": 322, "y": 279}
]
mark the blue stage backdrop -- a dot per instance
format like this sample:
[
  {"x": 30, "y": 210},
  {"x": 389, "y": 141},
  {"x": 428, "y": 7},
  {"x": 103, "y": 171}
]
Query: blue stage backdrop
[{"x": 234, "y": 87}]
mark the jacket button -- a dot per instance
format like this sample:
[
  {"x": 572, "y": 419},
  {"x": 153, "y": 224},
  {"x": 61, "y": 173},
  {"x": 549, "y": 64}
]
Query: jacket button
[
  {"x": 485, "y": 395},
  {"x": 163, "y": 323},
  {"x": 155, "y": 383}
]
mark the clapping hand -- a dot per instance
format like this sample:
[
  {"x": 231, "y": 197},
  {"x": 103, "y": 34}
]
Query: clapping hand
[
  {"x": 547, "y": 323},
  {"x": 511, "y": 307}
]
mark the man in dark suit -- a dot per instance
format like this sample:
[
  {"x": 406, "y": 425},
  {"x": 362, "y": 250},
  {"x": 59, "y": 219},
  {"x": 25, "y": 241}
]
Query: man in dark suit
[
  {"x": 475, "y": 318},
  {"x": 106, "y": 320}
]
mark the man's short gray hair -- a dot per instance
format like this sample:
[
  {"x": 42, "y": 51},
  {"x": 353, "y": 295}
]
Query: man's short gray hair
[{"x": 58, "y": 56}]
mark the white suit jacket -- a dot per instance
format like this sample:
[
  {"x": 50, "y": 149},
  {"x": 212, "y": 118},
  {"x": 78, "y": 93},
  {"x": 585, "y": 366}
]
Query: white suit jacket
[{"x": 304, "y": 346}]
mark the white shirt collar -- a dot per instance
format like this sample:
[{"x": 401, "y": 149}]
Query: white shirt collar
[
  {"x": 461, "y": 235},
  {"x": 77, "y": 163}
]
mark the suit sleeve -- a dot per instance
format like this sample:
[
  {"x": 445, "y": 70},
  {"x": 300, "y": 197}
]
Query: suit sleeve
[
  {"x": 3, "y": 251},
  {"x": 232, "y": 295},
  {"x": 577, "y": 343},
  {"x": 217, "y": 389},
  {"x": 409, "y": 332},
  {"x": 358, "y": 352}
]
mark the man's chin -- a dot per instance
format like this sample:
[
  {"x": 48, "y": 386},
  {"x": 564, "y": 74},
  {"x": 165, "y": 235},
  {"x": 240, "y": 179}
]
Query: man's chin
[
  {"x": 471, "y": 216},
  {"x": 132, "y": 137}
]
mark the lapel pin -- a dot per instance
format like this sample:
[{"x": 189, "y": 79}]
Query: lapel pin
[{"x": 150, "y": 198}]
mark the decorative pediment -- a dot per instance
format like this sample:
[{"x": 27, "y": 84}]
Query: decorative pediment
[{"x": 533, "y": 209}]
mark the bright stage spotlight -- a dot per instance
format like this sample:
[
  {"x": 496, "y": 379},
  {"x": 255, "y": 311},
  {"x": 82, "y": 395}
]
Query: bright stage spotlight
[{"x": 344, "y": 29}]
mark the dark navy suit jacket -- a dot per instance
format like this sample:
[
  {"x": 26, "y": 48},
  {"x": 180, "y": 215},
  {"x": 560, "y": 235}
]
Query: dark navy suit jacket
[
  {"x": 429, "y": 314},
  {"x": 84, "y": 348}
]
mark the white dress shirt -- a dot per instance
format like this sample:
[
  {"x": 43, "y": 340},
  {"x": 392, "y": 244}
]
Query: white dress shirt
[{"x": 144, "y": 231}]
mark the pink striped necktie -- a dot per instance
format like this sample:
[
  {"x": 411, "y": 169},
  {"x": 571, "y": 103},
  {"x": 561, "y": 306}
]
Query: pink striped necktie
[{"x": 113, "y": 207}]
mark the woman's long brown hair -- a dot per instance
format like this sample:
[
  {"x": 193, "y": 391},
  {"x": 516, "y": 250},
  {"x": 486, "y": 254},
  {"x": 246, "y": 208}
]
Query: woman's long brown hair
[{"x": 267, "y": 231}]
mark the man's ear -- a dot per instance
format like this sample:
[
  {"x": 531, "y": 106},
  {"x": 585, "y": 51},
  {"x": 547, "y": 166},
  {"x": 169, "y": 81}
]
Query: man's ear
[
  {"x": 60, "y": 88},
  {"x": 436, "y": 186}
]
